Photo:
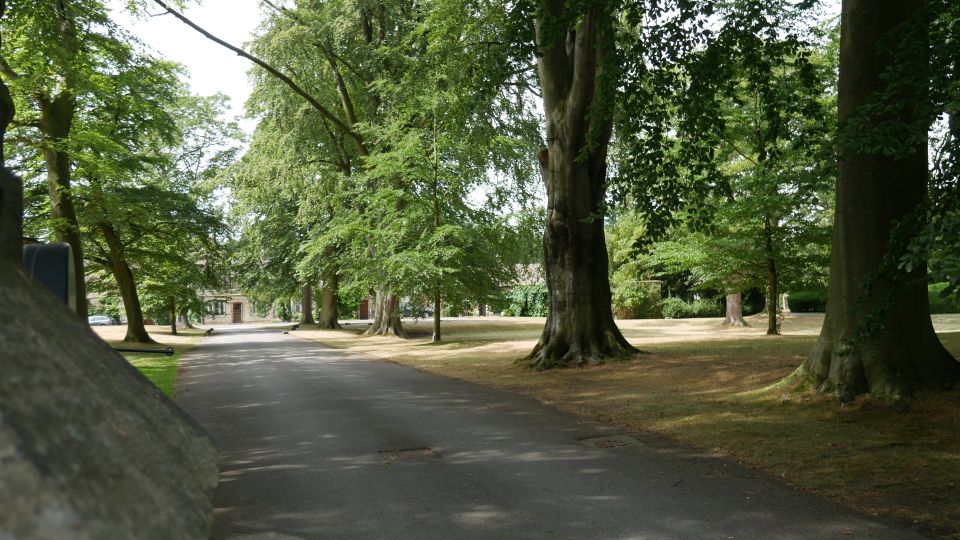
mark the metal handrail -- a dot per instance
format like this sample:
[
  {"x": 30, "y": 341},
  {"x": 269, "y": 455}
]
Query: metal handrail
[{"x": 168, "y": 351}]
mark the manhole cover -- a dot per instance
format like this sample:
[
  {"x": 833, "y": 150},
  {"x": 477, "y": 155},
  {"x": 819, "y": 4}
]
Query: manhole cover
[
  {"x": 409, "y": 454},
  {"x": 613, "y": 441}
]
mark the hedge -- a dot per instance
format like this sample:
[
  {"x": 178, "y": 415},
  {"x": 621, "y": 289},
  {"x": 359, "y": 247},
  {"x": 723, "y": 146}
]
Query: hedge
[
  {"x": 527, "y": 301},
  {"x": 809, "y": 301},
  {"x": 678, "y": 308}
]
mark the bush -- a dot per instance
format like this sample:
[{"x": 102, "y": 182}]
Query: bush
[
  {"x": 348, "y": 307},
  {"x": 111, "y": 306},
  {"x": 283, "y": 312},
  {"x": 678, "y": 308},
  {"x": 527, "y": 301},
  {"x": 635, "y": 298},
  {"x": 810, "y": 301},
  {"x": 940, "y": 304}
]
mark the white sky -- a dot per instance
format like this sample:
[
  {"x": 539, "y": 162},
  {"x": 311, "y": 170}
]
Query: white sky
[{"x": 212, "y": 68}]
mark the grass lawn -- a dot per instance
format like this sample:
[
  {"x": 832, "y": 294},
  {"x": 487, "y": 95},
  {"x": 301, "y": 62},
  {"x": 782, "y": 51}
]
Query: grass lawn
[
  {"x": 159, "y": 368},
  {"x": 707, "y": 386}
]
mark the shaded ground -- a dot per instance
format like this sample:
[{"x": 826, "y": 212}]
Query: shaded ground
[
  {"x": 703, "y": 385},
  {"x": 319, "y": 442}
]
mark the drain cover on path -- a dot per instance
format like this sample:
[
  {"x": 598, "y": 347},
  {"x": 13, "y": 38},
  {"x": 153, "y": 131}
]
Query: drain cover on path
[
  {"x": 612, "y": 441},
  {"x": 409, "y": 454}
]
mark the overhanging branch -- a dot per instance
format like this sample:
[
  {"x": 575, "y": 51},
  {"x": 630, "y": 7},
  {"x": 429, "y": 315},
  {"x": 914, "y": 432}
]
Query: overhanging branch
[{"x": 340, "y": 124}]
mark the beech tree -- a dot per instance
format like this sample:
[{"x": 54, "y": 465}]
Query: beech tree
[
  {"x": 120, "y": 133},
  {"x": 51, "y": 63},
  {"x": 268, "y": 187},
  {"x": 877, "y": 337},
  {"x": 576, "y": 55}
]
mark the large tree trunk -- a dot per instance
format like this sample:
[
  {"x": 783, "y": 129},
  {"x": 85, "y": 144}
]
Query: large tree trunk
[
  {"x": 56, "y": 119},
  {"x": 11, "y": 217},
  {"x": 734, "y": 315},
  {"x": 578, "y": 92},
  {"x": 11, "y": 190},
  {"x": 873, "y": 192},
  {"x": 387, "y": 319},
  {"x": 306, "y": 304},
  {"x": 136, "y": 332},
  {"x": 328, "y": 302}
]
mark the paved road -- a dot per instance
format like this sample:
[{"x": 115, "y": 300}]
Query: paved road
[{"x": 320, "y": 443}]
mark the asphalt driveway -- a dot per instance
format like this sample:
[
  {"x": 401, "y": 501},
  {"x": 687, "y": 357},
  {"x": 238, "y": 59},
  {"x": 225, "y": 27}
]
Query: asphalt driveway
[{"x": 321, "y": 443}]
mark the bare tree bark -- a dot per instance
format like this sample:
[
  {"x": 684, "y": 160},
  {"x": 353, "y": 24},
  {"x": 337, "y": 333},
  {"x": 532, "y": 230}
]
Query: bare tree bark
[
  {"x": 173, "y": 316},
  {"x": 185, "y": 318},
  {"x": 387, "y": 320},
  {"x": 328, "y": 306},
  {"x": 56, "y": 121},
  {"x": 873, "y": 192},
  {"x": 136, "y": 331},
  {"x": 11, "y": 189},
  {"x": 436, "y": 318},
  {"x": 734, "y": 314},
  {"x": 578, "y": 94},
  {"x": 306, "y": 304},
  {"x": 773, "y": 280}
]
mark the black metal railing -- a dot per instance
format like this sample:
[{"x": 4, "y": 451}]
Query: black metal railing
[{"x": 168, "y": 351}]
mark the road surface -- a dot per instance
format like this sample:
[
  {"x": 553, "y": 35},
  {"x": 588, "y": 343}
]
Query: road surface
[{"x": 321, "y": 443}]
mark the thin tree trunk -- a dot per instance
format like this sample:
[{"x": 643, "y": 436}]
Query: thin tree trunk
[
  {"x": 173, "y": 316},
  {"x": 56, "y": 119},
  {"x": 328, "y": 302},
  {"x": 136, "y": 331},
  {"x": 185, "y": 318},
  {"x": 436, "y": 319},
  {"x": 578, "y": 101},
  {"x": 873, "y": 192},
  {"x": 306, "y": 304},
  {"x": 734, "y": 315},
  {"x": 773, "y": 280}
]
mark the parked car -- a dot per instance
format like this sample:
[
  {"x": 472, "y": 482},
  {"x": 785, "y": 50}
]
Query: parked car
[
  {"x": 99, "y": 320},
  {"x": 408, "y": 309}
]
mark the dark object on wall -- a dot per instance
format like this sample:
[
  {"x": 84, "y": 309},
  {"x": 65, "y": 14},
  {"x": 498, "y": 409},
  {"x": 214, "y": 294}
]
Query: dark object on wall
[{"x": 52, "y": 266}]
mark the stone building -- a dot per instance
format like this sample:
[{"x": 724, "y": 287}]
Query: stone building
[{"x": 233, "y": 307}]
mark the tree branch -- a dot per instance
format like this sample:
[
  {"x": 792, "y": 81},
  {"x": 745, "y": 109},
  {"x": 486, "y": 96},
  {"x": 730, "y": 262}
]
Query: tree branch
[
  {"x": 340, "y": 124},
  {"x": 342, "y": 89},
  {"x": 24, "y": 140},
  {"x": 7, "y": 70},
  {"x": 332, "y": 59}
]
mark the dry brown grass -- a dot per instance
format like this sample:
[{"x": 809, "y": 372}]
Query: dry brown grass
[
  {"x": 708, "y": 386},
  {"x": 114, "y": 335}
]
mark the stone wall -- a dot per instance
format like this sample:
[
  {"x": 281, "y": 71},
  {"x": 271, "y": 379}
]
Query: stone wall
[{"x": 89, "y": 448}]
